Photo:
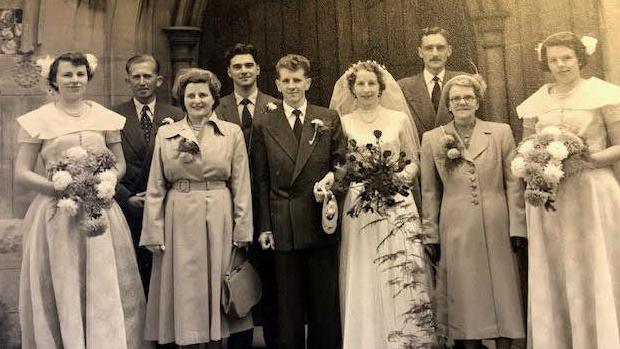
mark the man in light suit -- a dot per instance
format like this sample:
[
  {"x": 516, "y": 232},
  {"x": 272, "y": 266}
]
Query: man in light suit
[
  {"x": 423, "y": 90},
  {"x": 144, "y": 115},
  {"x": 241, "y": 107},
  {"x": 287, "y": 162}
]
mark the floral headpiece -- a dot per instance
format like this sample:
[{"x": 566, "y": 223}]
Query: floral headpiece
[
  {"x": 355, "y": 66},
  {"x": 46, "y": 62},
  {"x": 588, "y": 41}
]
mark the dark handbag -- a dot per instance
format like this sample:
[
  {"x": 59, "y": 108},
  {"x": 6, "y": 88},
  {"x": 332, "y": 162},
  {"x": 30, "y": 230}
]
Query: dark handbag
[{"x": 242, "y": 286}]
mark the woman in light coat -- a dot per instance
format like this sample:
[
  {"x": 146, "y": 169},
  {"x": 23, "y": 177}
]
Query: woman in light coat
[
  {"x": 198, "y": 203},
  {"x": 472, "y": 206}
]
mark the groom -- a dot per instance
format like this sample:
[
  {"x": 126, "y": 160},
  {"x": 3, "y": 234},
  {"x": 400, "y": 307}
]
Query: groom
[{"x": 288, "y": 160}]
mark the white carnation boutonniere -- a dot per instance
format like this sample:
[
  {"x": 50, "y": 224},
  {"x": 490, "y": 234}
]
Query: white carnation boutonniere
[
  {"x": 167, "y": 121},
  {"x": 319, "y": 127},
  {"x": 271, "y": 106}
]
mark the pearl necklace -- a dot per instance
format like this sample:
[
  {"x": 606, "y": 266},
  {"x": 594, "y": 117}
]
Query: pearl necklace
[{"x": 75, "y": 114}]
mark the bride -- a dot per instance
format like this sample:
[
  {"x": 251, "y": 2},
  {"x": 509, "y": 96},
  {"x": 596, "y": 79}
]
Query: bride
[{"x": 383, "y": 304}]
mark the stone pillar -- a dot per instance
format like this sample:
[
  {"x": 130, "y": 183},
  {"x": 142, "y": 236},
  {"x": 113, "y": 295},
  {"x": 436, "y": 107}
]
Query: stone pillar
[
  {"x": 182, "y": 42},
  {"x": 492, "y": 58},
  {"x": 609, "y": 12}
]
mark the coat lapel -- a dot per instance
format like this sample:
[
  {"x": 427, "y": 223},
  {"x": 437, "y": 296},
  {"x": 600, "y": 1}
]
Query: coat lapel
[
  {"x": 305, "y": 148},
  {"x": 479, "y": 140},
  {"x": 281, "y": 132}
]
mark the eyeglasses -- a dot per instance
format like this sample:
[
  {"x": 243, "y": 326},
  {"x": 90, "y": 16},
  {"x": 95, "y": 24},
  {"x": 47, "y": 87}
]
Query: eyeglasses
[{"x": 467, "y": 99}]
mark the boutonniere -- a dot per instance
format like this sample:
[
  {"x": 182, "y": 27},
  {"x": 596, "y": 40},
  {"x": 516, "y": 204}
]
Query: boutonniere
[
  {"x": 187, "y": 150},
  {"x": 451, "y": 150},
  {"x": 271, "y": 106},
  {"x": 319, "y": 128},
  {"x": 167, "y": 121}
]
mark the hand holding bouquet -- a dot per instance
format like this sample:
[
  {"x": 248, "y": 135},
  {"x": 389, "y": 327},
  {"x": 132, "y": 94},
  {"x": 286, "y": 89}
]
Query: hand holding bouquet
[
  {"x": 544, "y": 159},
  {"x": 85, "y": 186}
]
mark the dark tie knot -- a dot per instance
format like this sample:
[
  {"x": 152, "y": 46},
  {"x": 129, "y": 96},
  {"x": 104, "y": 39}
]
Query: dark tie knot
[
  {"x": 245, "y": 102},
  {"x": 297, "y": 113},
  {"x": 436, "y": 78}
]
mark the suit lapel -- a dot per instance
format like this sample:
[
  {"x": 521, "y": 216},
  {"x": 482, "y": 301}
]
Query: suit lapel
[
  {"x": 422, "y": 104},
  {"x": 280, "y": 130},
  {"x": 305, "y": 148},
  {"x": 133, "y": 131},
  {"x": 229, "y": 112}
]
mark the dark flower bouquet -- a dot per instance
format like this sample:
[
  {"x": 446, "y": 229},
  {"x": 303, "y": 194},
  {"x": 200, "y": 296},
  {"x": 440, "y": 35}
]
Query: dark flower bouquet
[
  {"x": 543, "y": 160},
  {"x": 376, "y": 172},
  {"x": 187, "y": 149},
  {"x": 85, "y": 184}
]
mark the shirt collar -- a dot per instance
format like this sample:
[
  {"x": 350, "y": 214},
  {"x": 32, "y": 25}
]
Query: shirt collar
[
  {"x": 288, "y": 110},
  {"x": 139, "y": 106},
  {"x": 428, "y": 76},
  {"x": 252, "y": 97}
]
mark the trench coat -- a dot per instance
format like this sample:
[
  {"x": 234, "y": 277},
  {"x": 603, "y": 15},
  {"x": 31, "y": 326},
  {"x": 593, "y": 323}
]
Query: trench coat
[
  {"x": 197, "y": 228},
  {"x": 472, "y": 211}
]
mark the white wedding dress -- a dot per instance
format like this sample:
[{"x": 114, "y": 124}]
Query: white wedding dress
[{"x": 376, "y": 302}]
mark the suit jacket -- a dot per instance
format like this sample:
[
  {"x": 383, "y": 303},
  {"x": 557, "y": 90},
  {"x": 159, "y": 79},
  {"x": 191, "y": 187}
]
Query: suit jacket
[
  {"x": 228, "y": 111},
  {"x": 137, "y": 156},
  {"x": 420, "y": 104},
  {"x": 285, "y": 173}
]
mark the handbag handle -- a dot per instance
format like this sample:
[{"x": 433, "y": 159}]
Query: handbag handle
[{"x": 231, "y": 265}]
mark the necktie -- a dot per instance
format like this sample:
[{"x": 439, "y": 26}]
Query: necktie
[
  {"x": 297, "y": 126},
  {"x": 436, "y": 94},
  {"x": 246, "y": 121},
  {"x": 146, "y": 124}
]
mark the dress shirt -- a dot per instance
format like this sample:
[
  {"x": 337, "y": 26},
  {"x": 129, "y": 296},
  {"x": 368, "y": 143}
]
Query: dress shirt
[
  {"x": 139, "y": 107},
  {"x": 288, "y": 111},
  {"x": 428, "y": 79},
  {"x": 251, "y": 106}
]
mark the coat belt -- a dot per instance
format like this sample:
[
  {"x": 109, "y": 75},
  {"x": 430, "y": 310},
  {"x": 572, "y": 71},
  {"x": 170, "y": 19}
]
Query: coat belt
[{"x": 186, "y": 185}]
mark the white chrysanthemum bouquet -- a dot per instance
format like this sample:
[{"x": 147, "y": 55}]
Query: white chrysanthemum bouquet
[
  {"x": 85, "y": 186},
  {"x": 546, "y": 158}
]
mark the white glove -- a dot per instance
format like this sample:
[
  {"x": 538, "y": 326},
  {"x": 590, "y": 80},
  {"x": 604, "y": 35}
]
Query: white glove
[
  {"x": 265, "y": 239},
  {"x": 323, "y": 186}
]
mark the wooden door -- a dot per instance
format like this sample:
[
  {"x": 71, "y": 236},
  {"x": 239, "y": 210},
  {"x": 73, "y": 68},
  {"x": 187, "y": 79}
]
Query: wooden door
[{"x": 332, "y": 34}]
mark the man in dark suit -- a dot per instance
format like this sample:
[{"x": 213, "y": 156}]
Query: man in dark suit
[
  {"x": 287, "y": 164},
  {"x": 423, "y": 90},
  {"x": 144, "y": 115},
  {"x": 241, "y": 107}
]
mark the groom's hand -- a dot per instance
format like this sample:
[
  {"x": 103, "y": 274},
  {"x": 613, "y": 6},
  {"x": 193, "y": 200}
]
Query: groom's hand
[
  {"x": 265, "y": 239},
  {"x": 327, "y": 181}
]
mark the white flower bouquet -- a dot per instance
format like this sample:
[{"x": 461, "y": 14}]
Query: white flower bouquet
[
  {"x": 85, "y": 185},
  {"x": 545, "y": 159}
]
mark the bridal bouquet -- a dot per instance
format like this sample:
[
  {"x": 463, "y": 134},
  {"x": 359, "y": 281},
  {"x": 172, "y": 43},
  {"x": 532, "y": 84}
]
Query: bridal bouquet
[
  {"x": 376, "y": 172},
  {"x": 85, "y": 184},
  {"x": 546, "y": 158}
]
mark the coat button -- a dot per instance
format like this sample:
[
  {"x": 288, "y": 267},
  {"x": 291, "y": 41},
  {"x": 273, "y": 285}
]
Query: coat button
[
  {"x": 472, "y": 170},
  {"x": 474, "y": 201},
  {"x": 474, "y": 195},
  {"x": 473, "y": 179},
  {"x": 473, "y": 186}
]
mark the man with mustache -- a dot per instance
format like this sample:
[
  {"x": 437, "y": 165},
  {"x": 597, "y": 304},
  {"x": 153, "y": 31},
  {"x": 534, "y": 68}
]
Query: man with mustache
[
  {"x": 242, "y": 107},
  {"x": 144, "y": 114},
  {"x": 423, "y": 90}
]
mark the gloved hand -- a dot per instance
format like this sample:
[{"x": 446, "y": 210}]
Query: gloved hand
[
  {"x": 518, "y": 244},
  {"x": 433, "y": 251}
]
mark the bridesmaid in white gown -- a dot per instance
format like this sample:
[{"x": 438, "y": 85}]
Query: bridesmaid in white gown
[
  {"x": 373, "y": 300},
  {"x": 75, "y": 291},
  {"x": 574, "y": 252}
]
